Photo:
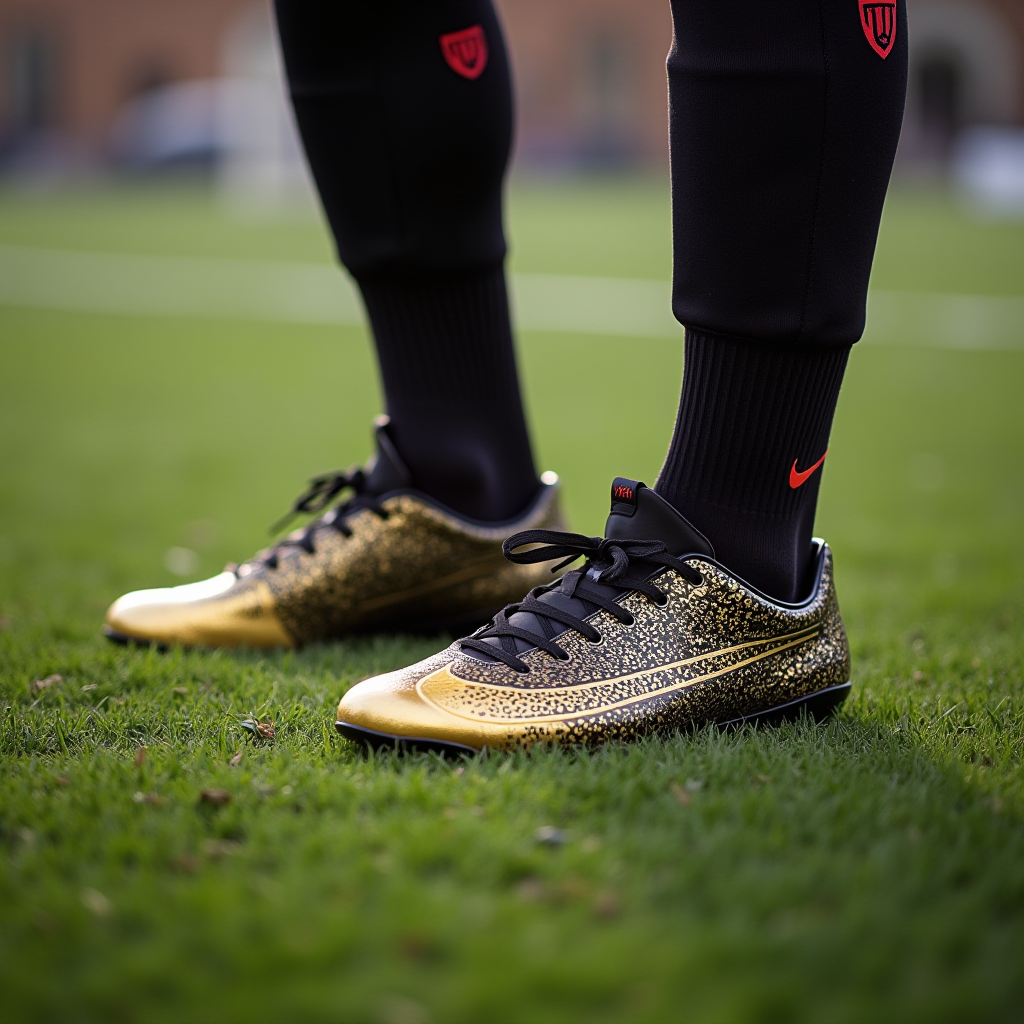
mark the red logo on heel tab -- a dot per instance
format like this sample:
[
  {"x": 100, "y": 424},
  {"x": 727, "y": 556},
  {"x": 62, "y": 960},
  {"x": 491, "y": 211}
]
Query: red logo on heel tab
[
  {"x": 624, "y": 495},
  {"x": 466, "y": 51},
  {"x": 878, "y": 19}
]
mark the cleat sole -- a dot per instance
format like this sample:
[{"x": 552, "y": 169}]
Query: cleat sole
[
  {"x": 820, "y": 706},
  {"x": 402, "y": 744},
  {"x": 125, "y": 640}
]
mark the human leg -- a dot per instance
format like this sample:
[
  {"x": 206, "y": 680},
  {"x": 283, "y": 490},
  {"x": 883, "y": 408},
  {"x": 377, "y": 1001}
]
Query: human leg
[
  {"x": 783, "y": 123},
  {"x": 783, "y": 134},
  {"x": 405, "y": 111},
  {"x": 408, "y": 140}
]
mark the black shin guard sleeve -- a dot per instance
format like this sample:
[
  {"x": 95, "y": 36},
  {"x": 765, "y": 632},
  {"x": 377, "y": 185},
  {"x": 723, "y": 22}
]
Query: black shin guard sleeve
[
  {"x": 784, "y": 119},
  {"x": 408, "y": 153}
]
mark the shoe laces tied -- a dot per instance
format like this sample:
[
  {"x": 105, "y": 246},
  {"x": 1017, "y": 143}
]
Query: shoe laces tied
[
  {"x": 609, "y": 562},
  {"x": 321, "y": 492}
]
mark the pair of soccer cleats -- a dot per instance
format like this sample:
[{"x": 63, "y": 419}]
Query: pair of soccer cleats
[{"x": 650, "y": 635}]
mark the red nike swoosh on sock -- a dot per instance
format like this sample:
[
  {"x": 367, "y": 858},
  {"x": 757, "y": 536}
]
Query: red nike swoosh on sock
[{"x": 798, "y": 479}]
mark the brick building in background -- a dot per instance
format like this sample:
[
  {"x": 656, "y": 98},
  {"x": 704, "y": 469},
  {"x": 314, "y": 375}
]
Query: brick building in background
[{"x": 590, "y": 74}]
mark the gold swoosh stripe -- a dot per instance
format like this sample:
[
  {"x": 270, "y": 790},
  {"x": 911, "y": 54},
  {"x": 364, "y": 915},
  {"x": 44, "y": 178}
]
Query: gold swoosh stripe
[
  {"x": 470, "y": 571},
  {"x": 781, "y": 643}
]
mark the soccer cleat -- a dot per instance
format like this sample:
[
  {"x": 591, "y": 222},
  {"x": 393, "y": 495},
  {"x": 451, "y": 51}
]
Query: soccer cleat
[
  {"x": 389, "y": 558},
  {"x": 651, "y": 635}
]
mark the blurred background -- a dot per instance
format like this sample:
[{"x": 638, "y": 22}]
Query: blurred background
[
  {"x": 179, "y": 351},
  {"x": 152, "y": 188},
  {"x": 147, "y": 85}
]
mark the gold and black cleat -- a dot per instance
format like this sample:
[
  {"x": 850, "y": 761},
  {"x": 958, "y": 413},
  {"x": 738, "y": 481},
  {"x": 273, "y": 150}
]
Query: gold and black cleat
[
  {"x": 388, "y": 558},
  {"x": 651, "y": 636}
]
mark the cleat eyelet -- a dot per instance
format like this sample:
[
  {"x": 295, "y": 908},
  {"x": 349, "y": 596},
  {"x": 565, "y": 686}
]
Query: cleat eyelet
[
  {"x": 565, "y": 660},
  {"x": 699, "y": 581},
  {"x": 663, "y": 603},
  {"x": 598, "y": 642}
]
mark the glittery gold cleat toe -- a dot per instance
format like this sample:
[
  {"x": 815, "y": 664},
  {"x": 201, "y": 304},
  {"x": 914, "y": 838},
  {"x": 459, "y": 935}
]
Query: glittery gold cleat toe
[
  {"x": 389, "y": 558},
  {"x": 652, "y": 635}
]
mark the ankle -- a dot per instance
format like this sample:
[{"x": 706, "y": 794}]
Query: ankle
[
  {"x": 449, "y": 371},
  {"x": 753, "y": 419}
]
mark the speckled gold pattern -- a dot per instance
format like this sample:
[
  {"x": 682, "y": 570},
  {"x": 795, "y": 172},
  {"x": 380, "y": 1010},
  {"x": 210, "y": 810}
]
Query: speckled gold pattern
[
  {"x": 715, "y": 652},
  {"x": 417, "y": 567}
]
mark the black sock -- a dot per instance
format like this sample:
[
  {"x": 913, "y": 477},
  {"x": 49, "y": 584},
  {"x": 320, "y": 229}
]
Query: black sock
[
  {"x": 446, "y": 356},
  {"x": 753, "y": 420}
]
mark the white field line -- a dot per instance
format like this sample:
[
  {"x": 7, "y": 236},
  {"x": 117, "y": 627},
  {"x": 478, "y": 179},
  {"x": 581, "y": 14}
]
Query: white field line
[{"x": 312, "y": 293}]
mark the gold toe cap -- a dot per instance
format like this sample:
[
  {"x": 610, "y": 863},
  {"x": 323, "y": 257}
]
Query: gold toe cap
[
  {"x": 392, "y": 706},
  {"x": 218, "y": 612}
]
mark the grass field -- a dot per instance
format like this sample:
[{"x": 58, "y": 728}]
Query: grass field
[{"x": 871, "y": 869}]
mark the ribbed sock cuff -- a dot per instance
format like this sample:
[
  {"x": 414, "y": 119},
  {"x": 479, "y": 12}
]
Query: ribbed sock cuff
[{"x": 452, "y": 389}]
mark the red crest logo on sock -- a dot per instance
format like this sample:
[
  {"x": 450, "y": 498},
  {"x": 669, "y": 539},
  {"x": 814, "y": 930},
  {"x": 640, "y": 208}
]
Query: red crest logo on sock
[
  {"x": 466, "y": 51},
  {"x": 878, "y": 19}
]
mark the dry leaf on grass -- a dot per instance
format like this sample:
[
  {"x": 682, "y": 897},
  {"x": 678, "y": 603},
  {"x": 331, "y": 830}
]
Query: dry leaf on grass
[
  {"x": 94, "y": 900},
  {"x": 681, "y": 794},
  {"x": 400, "y": 1010},
  {"x": 417, "y": 947},
  {"x": 140, "y": 756},
  {"x": 216, "y": 797},
  {"x": 259, "y": 730},
  {"x": 236, "y": 760},
  {"x": 45, "y": 684},
  {"x": 215, "y": 849},
  {"x": 531, "y": 890},
  {"x": 153, "y": 799},
  {"x": 607, "y": 904},
  {"x": 548, "y": 835}
]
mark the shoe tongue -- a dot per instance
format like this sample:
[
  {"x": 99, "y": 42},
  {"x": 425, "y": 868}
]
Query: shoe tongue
[
  {"x": 386, "y": 471},
  {"x": 638, "y": 513}
]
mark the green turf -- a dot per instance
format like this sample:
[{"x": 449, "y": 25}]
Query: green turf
[{"x": 872, "y": 869}]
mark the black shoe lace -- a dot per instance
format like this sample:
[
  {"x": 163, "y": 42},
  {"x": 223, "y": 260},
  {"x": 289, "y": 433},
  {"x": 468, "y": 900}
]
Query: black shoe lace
[
  {"x": 608, "y": 562},
  {"x": 322, "y": 490}
]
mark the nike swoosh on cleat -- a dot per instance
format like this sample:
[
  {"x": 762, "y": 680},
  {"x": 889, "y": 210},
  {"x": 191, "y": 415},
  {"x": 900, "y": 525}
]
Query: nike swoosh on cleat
[
  {"x": 598, "y": 697},
  {"x": 799, "y": 478}
]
